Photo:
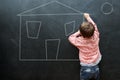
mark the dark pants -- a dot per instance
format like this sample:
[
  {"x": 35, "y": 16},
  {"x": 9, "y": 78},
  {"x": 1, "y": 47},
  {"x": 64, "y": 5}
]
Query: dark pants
[{"x": 89, "y": 72}]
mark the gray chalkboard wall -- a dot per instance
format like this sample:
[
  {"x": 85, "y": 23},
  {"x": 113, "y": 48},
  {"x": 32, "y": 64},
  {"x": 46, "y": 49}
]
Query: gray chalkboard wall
[{"x": 33, "y": 38}]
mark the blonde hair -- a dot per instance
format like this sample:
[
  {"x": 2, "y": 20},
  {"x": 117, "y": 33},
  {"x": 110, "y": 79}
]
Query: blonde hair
[{"x": 87, "y": 29}]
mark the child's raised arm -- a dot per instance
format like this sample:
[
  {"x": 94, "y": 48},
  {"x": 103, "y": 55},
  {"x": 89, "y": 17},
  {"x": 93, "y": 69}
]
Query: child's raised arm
[{"x": 89, "y": 19}]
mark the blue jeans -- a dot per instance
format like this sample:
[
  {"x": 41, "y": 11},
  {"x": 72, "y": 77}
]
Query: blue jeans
[{"x": 89, "y": 72}]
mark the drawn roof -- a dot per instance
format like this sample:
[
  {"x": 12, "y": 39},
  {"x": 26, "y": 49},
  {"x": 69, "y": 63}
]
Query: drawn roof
[{"x": 51, "y": 8}]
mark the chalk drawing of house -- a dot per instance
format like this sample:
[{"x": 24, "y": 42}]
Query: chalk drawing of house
[{"x": 44, "y": 31}]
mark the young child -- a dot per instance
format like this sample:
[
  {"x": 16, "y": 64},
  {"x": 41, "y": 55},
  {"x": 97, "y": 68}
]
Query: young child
[{"x": 86, "y": 39}]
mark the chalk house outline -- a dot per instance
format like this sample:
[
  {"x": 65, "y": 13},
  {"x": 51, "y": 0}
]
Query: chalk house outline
[{"x": 28, "y": 13}]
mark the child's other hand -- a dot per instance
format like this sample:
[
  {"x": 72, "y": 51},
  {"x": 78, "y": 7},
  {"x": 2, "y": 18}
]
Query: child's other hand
[{"x": 86, "y": 15}]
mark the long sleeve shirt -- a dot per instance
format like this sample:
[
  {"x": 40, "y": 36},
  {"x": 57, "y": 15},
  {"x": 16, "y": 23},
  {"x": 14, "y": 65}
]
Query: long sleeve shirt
[{"x": 89, "y": 53}]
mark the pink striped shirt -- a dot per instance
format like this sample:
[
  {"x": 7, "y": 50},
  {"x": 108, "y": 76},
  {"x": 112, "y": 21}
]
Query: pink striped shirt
[{"x": 89, "y": 53}]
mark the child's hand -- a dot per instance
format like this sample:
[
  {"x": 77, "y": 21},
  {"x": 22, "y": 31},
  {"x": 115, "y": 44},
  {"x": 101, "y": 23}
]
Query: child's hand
[{"x": 86, "y": 15}]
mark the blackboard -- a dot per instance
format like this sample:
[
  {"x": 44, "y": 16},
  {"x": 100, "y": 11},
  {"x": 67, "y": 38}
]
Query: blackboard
[{"x": 34, "y": 44}]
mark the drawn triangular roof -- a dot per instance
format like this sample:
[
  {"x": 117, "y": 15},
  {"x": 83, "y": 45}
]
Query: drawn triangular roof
[{"x": 51, "y": 8}]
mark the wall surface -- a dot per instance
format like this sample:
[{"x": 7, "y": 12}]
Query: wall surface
[{"x": 34, "y": 38}]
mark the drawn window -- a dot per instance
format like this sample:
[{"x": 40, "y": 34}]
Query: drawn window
[
  {"x": 33, "y": 29},
  {"x": 69, "y": 27}
]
